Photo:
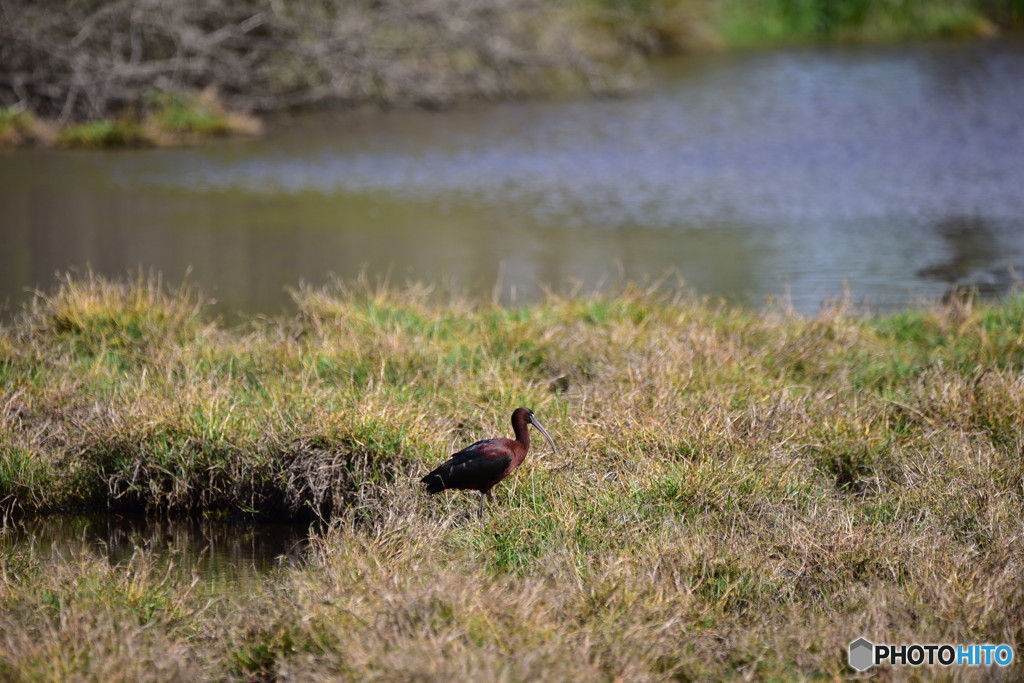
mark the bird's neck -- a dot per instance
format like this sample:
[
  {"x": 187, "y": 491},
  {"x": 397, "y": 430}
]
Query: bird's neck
[{"x": 522, "y": 432}]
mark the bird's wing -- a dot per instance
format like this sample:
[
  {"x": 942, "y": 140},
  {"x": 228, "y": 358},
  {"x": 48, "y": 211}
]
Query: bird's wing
[
  {"x": 476, "y": 472},
  {"x": 474, "y": 450},
  {"x": 474, "y": 467}
]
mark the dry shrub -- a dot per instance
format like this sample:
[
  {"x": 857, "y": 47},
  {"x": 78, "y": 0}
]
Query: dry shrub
[{"x": 96, "y": 59}]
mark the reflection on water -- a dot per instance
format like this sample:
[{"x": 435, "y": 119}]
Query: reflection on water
[
  {"x": 224, "y": 558},
  {"x": 974, "y": 256},
  {"x": 751, "y": 174}
]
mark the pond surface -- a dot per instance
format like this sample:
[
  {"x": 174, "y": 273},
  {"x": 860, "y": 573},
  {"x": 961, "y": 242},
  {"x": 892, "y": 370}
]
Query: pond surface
[
  {"x": 893, "y": 171},
  {"x": 223, "y": 558}
]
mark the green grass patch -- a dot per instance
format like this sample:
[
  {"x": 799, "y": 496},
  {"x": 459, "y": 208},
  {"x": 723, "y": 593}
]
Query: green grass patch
[
  {"x": 126, "y": 132},
  {"x": 179, "y": 114},
  {"x": 757, "y": 22},
  {"x": 700, "y": 25}
]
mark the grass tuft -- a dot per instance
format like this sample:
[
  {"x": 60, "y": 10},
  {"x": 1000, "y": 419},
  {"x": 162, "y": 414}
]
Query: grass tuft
[
  {"x": 21, "y": 128},
  {"x": 123, "y": 132},
  {"x": 176, "y": 117}
]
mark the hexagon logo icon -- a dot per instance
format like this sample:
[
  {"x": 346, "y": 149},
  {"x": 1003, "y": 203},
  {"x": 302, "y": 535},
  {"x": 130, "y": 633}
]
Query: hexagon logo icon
[{"x": 862, "y": 654}]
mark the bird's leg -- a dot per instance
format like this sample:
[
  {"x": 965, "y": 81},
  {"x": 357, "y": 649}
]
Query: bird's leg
[{"x": 481, "y": 510}]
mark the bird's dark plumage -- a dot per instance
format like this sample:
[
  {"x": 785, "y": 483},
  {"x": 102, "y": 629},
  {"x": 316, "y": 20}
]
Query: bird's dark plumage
[
  {"x": 482, "y": 465},
  {"x": 470, "y": 468}
]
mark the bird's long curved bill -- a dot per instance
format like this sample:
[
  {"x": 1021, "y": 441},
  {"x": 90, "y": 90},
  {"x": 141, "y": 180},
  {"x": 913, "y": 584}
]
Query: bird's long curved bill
[{"x": 543, "y": 431}]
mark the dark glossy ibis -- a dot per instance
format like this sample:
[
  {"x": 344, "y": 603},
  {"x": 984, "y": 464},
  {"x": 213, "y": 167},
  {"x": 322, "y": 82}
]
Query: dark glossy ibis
[{"x": 481, "y": 466}]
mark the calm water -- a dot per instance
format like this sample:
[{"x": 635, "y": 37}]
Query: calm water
[
  {"x": 896, "y": 171},
  {"x": 224, "y": 558}
]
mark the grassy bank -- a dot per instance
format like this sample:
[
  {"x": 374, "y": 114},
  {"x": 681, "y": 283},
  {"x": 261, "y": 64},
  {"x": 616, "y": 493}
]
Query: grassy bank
[
  {"x": 166, "y": 119},
  {"x": 737, "y": 493}
]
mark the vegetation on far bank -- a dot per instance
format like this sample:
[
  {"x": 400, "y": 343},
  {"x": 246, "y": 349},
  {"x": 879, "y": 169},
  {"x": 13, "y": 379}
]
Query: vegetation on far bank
[
  {"x": 91, "y": 69},
  {"x": 93, "y": 61},
  {"x": 168, "y": 119},
  {"x": 736, "y": 493},
  {"x": 695, "y": 25}
]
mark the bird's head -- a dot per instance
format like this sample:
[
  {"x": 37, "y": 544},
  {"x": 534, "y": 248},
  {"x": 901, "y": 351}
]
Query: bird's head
[{"x": 526, "y": 415}]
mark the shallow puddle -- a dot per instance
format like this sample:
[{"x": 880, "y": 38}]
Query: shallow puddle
[{"x": 220, "y": 557}]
